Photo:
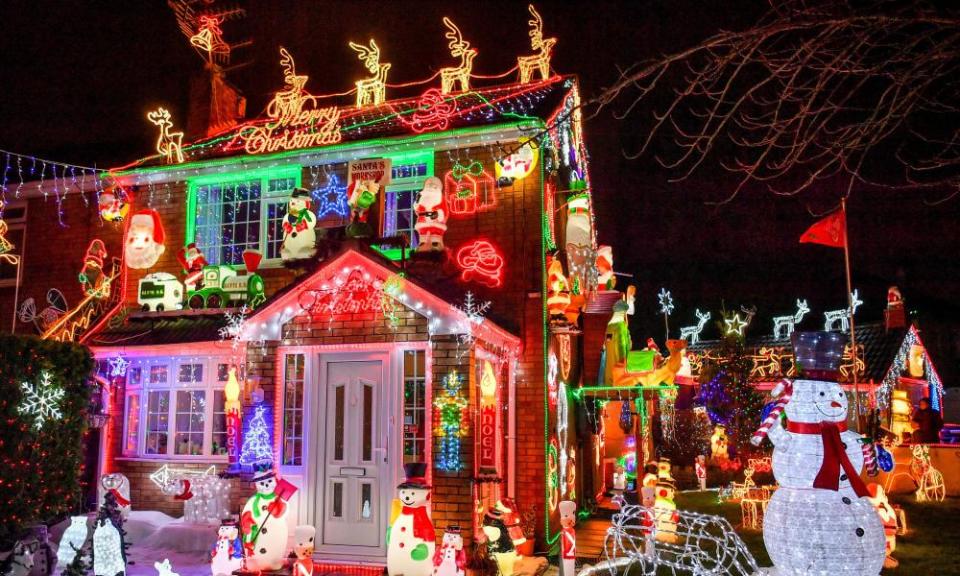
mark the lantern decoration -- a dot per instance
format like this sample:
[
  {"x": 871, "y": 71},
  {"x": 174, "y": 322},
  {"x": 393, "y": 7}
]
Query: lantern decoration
[
  {"x": 449, "y": 408},
  {"x": 820, "y": 520},
  {"x": 469, "y": 189}
]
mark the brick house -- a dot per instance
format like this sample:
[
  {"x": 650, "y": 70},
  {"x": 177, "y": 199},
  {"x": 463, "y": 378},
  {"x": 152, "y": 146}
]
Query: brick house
[{"x": 346, "y": 355}]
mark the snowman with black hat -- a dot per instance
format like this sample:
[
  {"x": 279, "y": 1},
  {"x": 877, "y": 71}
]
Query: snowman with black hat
[
  {"x": 263, "y": 522},
  {"x": 411, "y": 539},
  {"x": 299, "y": 234}
]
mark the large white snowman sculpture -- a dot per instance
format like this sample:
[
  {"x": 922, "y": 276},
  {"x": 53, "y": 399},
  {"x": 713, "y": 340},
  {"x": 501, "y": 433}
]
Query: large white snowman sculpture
[
  {"x": 299, "y": 234},
  {"x": 411, "y": 539},
  {"x": 263, "y": 523},
  {"x": 820, "y": 520}
]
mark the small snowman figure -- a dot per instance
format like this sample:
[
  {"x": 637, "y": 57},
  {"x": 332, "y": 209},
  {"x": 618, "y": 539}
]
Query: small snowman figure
[
  {"x": 431, "y": 211},
  {"x": 666, "y": 511},
  {"x": 820, "y": 520},
  {"x": 227, "y": 553},
  {"x": 263, "y": 523},
  {"x": 303, "y": 537},
  {"x": 568, "y": 538},
  {"x": 450, "y": 559},
  {"x": 299, "y": 234},
  {"x": 411, "y": 539},
  {"x": 700, "y": 466},
  {"x": 72, "y": 541}
]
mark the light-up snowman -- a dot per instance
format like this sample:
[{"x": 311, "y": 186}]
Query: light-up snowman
[{"x": 820, "y": 520}]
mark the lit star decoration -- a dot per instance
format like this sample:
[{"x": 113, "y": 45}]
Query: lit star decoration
[
  {"x": 734, "y": 324},
  {"x": 449, "y": 406},
  {"x": 331, "y": 199},
  {"x": 666, "y": 302},
  {"x": 41, "y": 401},
  {"x": 118, "y": 366}
]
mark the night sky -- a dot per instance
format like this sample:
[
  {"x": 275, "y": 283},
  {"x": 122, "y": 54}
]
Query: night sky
[{"x": 78, "y": 78}]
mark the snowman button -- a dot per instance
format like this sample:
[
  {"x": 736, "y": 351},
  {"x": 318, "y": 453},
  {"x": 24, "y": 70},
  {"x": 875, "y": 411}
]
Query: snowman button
[
  {"x": 843, "y": 477},
  {"x": 846, "y": 500},
  {"x": 860, "y": 532},
  {"x": 403, "y": 528},
  {"x": 844, "y": 444}
]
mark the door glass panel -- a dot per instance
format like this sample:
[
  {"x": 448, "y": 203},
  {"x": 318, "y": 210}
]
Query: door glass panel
[
  {"x": 338, "y": 423},
  {"x": 367, "y": 423},
  {"x": 366, "y": 500},
  {"x": 337, "y": 508}
]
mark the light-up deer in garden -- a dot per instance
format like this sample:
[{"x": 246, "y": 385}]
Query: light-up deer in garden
[
  {"x": 692, "y": 333},
  {"x": 529, "y": 64},
  {"x": 371, "y": 91},
  {"x": 789, "y": 322},
  {"x": 168, "y": 143},
  {"x": 459, "y": 48}
]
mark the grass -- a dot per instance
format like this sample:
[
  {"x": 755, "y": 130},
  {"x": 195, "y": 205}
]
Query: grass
[{"x": 929, "y": 547}]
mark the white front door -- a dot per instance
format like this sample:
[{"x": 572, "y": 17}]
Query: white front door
[{"x": 352, "y": 459}]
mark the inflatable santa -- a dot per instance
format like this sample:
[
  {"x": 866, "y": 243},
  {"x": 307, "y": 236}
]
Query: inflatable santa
[
  {"x": 144, "y": 244},
  {"x": 192, "y": 261}
]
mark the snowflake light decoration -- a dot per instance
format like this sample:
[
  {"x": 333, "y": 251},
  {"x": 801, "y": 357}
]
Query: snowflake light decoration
[
  {"x": 118, "y": 366},
  {"x": 331, "y": 198},
  {"x": 474, "y": 312},
  {"x": 235, "y": 328},
  {"x": 666, "y": 302},
  {"x": 41, "y": 400}
]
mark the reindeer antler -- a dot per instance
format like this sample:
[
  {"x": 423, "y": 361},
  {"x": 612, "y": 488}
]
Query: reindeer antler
[
  {"x": 286, "y": 60},
  {"x": 536, "y": 28},
  {"x": 159, "y": 116},
  {"x": 370, "y": 56},
  {"x": 458, "y": 46}
]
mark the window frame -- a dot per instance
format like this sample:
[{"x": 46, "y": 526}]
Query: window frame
[
  {"x": 18, "y": 223},
  {"x": 298, "y": 436},
  {"x": 264, "y": 176},
  {"x": 405, "y": 184},
  {"x": 209, "y": 384},
  {"x": 424, "y": 406}
]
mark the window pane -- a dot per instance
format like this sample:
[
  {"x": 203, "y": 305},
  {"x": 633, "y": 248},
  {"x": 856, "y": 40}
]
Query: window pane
[
  {"x": 338, "y": 425},
  {"x": 158, "y": 415},
  {"x": 366, "y": 500},
  {"x": 228, "y": 220},
  {"x": 133, "y": 424},
  {"x": 189, "y": 423},
  {"x": 190, "y": 373},
  {"x": 158, "y": 374},
  {"x": 293, "y": 410},
  {"x": 414, "y": 405},
  {"x": 276, "y": 212},
  {"x": 367, "y": 423},
  {"x": 133, "y": 376},
  {"x": 337, "y": 500}
]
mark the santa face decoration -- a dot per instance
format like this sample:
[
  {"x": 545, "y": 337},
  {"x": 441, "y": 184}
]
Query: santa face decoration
[{"x": 144, "y": 244}]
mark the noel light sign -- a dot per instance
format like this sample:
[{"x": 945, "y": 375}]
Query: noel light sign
[{"x": 296, "y": 121}]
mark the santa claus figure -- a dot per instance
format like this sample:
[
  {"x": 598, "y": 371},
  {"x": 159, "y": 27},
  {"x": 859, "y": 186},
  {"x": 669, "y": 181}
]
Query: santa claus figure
[
  {"x": 431, "y": 214},
  {"x": 144, "y": 244},
  {"x": 112, "y": 208},
  {"x": 92, "y": 278},
  {"x": 889, "y": 518},
  {"x": 701, "y": 468},
  {"x": 558, "y": 291},
  {"x": 192, "y": 261},
  {"x": 568, "y": 538}
]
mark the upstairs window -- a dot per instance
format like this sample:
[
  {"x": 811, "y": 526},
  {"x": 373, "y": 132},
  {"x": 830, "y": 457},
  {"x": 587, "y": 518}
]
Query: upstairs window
[
  {"x": 239, "y": 212},
  {"x": 407, "y": 175}
]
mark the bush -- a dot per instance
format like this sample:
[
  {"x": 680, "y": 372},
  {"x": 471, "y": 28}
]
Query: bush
[{"x": 40, "y": 468}]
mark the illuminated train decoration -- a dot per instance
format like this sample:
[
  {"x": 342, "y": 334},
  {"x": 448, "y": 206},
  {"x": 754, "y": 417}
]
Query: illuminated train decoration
[
  {"x": 224, "y": 287},
  {"x": 160, "y": 291}
]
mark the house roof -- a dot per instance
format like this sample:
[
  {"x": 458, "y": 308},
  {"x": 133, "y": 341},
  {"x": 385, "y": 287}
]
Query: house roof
[
  {"x": 475, "y": 108},
  {"x": 159, "y": 328}
]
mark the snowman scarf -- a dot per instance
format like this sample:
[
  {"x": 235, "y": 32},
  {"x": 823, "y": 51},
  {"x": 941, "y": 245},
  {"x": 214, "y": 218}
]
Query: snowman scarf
[
  {"x": 834, "y": 456},
  {"x": 422, "y": 526}
]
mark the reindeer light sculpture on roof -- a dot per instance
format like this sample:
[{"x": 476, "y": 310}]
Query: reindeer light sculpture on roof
[
  {"x": 459, "y": 48},
  {"x": 787, "y": 323},
  {"x": 168, "y": 143},
  {"x": 831, "y": 317},
  {"x": 527, "y": 65},
  {"x": 371, "y": 91},
  {"x": 692, "y": 333}
]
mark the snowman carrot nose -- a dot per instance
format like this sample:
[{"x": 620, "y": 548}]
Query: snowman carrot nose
[{"x": 835, "y": 404}]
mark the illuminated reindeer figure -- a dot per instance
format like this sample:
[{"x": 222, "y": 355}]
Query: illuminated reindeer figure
[
  {"x": 168, "y": 143},
  {"x": 692, "y": 333},
  {"x": 529, "y": 64},
  {"x": 789, "y": 322},
  {"x": 459, "y": 47},
  {"x": 288, "y": 103},
  {"x": 831, "y": 317},
  {"x": 371, "y": 91}
]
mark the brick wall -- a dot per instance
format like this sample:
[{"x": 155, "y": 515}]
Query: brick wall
[{"x": 145, "y": 495}]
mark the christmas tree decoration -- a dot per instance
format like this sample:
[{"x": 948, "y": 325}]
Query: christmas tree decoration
[
  {"x": 299, "y": 236},
  {"x": 469, "y": 189},
  {"x": 168, "y": 143},
  {"x": 450, "y": 559},
  {"x": 451, "y": 77},
  {"x": 93, "y": 280},
  {"x": 832, "y": 317},
  {"x": 72, "y": 542},
  {"x": 431, "y": 212},
  {"x": 257, "y": 438},
  {"x": 449, "y": 408},
  {"x": 411, "y": 540},
  {"x": 227, "y": 554},
  {"x": 303, "y": 545},
  {"x": 783, "y": 326},
  {"x": 820, "y": 520},
  {"x": 692, "y": 333},
  {"x": 480, "y": 261},
  {"x": 144, "y": 242},
  {"x": 568, "y": 538},
  {"x": 41, "y": 402},
  {"x": 263, "y": 522},
  {"x": 539, "y": 62},
  {"x": 371, "y": 91}
]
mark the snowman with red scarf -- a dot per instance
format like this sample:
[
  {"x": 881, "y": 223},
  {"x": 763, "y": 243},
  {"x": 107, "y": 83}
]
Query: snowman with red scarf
[
  {"x": 820, "y": 520},
  {"x": 411, "y": 539}
]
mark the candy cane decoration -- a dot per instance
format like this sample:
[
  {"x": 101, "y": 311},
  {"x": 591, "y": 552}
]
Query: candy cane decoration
[
  {"x": 869, "y": 457},
  {"x": 782, "y": 392}
]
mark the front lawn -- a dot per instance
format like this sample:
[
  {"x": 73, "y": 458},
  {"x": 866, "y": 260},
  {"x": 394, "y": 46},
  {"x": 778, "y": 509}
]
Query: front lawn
[{"x": 928, "y": 548}]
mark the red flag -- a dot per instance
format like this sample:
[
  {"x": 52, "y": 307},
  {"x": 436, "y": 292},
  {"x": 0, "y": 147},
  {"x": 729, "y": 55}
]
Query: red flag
[{"x": 830, "y": 231}]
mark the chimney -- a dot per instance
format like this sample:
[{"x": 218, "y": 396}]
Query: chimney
[
  {"x": 215, "y": 104},
  {"x": 895, "y": 314}
]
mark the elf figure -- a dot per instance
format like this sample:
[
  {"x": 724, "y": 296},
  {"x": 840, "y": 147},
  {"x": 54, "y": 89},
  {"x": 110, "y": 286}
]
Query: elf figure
[
  {"x": 227, "y": 553},
  {"x": 605, "y": 278},
  {"x": 568, "y": 538},
  {"x": 889, "y": 518},
  {"x": 411, "y": 540},
  {"x": 303, "y": 537},
  {"x": 700, "y": 466},
  {"x": 450, "y": 559},
  {"x": 360, "y": 197},
  {"x": 558, "y": 291},
  {"x": 192, "y": 261},
  {"x": 431, "y": 212},
  {"x": 263, "y": 522},
  {"x": 92, "y": 279},
  {"x": 299, "y": 236}
]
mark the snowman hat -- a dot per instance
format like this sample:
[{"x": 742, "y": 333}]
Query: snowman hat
[
  {"x": 228, "y": 523},
  {"x": 453, "y": 529},
  {"x": 818, "y": 354},
  {"x": 300, "y": 193},
  {"x": 416, "y": 476},
  {"x": 149, "y": 218},
  {"x": 263, "y": 472}
]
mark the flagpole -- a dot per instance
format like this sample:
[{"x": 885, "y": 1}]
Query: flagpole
[{"x": 853, "y": 332}]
